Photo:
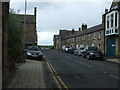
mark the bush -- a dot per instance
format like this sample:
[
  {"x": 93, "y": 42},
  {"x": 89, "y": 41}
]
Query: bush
[{"x": 15, "y": 38}]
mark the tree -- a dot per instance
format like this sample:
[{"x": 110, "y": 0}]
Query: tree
[{"x": 15, "y": 38}]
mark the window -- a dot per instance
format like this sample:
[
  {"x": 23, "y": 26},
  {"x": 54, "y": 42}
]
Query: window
[
  {"x": 94, "y": 36},
  {"x": 112, "y": 30},
  {"x": 116, "y": 31},
  {"x": 116, "y": 16},
  {"x": 107, "y": 21},
  {"x": 112, "y": 15},
  {"x": 107, "y": 32}
]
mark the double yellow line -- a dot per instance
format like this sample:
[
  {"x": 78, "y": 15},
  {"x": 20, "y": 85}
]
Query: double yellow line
[{"x": 57, "y": 79}]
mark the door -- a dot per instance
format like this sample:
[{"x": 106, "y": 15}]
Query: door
[{"x": 110, "y": 47}]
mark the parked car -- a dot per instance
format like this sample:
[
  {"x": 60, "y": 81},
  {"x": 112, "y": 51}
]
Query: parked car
[
  {"x": 78, "y": 51},
  {"x": 65, "y": 48},
  {"x": 92, "y": 52},
  {"x": 33, "y": 52},
  {"x": 71, "y": 50}
]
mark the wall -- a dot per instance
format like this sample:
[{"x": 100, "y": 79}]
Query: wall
[
  {"x": 0, "y": 45},
  {"x": 30, "y": 32},
  {"x": 88, "y": 39}
]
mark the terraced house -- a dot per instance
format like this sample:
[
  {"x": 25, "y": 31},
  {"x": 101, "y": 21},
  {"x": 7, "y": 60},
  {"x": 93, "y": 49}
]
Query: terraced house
[
  {"x": 106, "y": 36},
  {"x": 112, "y": 30},
  {"x": 93, "y": 36}
]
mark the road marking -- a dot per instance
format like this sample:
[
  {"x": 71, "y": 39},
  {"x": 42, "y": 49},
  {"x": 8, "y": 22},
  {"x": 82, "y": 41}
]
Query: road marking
[
  {"x": 84, "y": 64},
  {"x": 62, "y": 83},
  {"x": 57, "y": 79},
  {"x": 68, "y": 57},
  {"x": 53, "y": 76},
  {"x": 56, "y": 82},
  {"x": 114, "y": 76}
]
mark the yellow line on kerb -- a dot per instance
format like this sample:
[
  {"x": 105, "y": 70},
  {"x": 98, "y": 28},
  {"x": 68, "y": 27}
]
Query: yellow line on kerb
[
  {"x": 53, "y": 76},
  {"x": 59, "y": 78}
]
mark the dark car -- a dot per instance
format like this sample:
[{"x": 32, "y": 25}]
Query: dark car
[
  {"x": 92, "y": 52},
  {"x": 33, "y": 52},
  {"x": 71, "y": 50}
]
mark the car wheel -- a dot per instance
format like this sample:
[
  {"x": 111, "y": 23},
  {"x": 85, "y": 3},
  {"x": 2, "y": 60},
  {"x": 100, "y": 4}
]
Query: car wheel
[
  {"x": 82, "y": 56},
  {"x": 88, "y": 57}
]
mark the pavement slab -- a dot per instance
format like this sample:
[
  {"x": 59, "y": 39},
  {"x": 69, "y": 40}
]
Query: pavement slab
[{"x": 28, "y": 75}]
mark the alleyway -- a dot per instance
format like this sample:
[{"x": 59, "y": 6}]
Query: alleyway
[{"x": 28, "y": 75}]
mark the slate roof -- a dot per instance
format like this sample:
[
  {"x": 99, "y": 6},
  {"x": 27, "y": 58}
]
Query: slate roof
[
  {"x": 89, "y": 30},
  {"x": 115, "y": 3},
  {"x": 64, "y": 33},
  {"x": 29, "y": 18}
]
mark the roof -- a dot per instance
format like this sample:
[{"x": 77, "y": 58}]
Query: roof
[
  {"x": 64, "y": 33},
  {"x": 29, "y": 18},
  {"x": 115, "y": 3},
  {"x": 89, "y": 30}
]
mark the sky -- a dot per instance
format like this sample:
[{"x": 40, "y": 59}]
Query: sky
[{"x": 53, "y": 15}]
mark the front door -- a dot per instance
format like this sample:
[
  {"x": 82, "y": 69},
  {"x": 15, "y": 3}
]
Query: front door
[{"x": 110, "y": 41}]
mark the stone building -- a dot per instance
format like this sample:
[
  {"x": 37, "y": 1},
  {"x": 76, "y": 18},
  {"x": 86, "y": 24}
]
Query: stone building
[
  {"x": 93, "y": 36},
  {"x": 30, "y": 28},
  {"x": 59, "y": 39},
  {"x": 105, "y": 36},
  {"x": 112, "y": 30}
]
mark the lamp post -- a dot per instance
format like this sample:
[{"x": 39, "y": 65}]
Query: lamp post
[{"x": 24, "y": 28}]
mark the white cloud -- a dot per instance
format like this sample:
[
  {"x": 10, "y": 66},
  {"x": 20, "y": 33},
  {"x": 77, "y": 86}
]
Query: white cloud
[
  {"x": 45, "y": 38},
  {"x": 52, "y": 16}
]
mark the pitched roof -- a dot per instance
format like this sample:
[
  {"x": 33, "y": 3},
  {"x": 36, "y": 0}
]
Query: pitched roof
[
  {"x": 29, "y": 18},
  {"x": 64, "y": 33},
  {"x": 115, "y": 3},
  {"x": 89, "y": 30}
]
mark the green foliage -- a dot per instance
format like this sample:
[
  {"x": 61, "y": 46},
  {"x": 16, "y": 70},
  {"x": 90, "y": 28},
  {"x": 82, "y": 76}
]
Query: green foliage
[{"x": 15, "y": 38}]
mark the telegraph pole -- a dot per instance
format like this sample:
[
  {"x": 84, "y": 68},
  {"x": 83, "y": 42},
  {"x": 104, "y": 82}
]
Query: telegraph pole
[{"x": 24, "y": 28}]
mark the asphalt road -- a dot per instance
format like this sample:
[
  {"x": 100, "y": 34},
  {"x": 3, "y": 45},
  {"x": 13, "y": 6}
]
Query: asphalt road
[{"x": 78, "y": 72}]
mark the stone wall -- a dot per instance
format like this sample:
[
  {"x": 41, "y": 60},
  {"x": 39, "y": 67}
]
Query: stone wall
[
  {"x": 7, "y": 66},
  {"x": 91, "y": 39}
]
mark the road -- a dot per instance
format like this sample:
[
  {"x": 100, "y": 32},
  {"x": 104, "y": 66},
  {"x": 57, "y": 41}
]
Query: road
[{"x": 78, "y": 72}]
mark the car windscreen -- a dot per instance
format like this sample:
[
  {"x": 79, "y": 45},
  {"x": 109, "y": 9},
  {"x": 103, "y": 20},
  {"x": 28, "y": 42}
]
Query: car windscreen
[
  {"x": 33, "y": 48},
  {"x": 93, "y": 48},
  {"x": 81, "y": 48}
]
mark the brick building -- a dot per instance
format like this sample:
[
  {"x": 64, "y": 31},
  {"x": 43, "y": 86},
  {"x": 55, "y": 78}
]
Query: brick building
[{"x": 30, "y": 28}]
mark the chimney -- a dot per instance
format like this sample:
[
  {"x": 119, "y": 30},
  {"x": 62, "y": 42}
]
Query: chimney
[
  {"x": 73, "y": 30},
  {"x": 35, "y": 11},
  {"x": 84, "y": 26},
  {"x": 79, "y": 29},
  {"x": 106, "y": 10},
  {"x": 103, "y": 16}
]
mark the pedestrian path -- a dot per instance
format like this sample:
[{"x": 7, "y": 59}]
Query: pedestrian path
[
  {"x": 28, "y": 75},
  {"x": 113, "y": 60}
]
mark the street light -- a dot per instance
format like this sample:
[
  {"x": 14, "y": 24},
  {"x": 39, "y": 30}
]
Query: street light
[
  {"x": 25, "y": 22},
  {"x": 24, "y": 27}
]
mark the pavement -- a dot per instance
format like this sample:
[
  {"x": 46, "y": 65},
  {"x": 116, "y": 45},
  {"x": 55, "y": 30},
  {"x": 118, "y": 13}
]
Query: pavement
[
  {"x": 117, "y": 61},
  {"x": 28, "y": 75}
]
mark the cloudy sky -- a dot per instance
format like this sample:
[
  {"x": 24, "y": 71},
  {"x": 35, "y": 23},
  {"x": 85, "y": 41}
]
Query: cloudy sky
[{"x": 53, "y": 15}]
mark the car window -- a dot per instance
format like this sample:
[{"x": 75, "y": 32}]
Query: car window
[
  {"x": 93, "y": 48},
  {"x": 33, "y": 48}
]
